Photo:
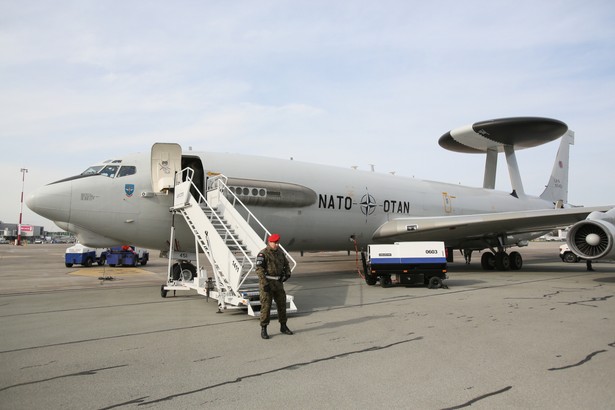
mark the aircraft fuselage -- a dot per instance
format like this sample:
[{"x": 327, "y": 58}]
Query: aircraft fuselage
[{"x": 313, "y": 207}]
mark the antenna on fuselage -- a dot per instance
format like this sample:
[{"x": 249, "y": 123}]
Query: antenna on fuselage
[{"x": 503, "y": 135}]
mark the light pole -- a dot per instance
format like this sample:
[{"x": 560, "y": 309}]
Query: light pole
[{"x": 23, "y": 171}]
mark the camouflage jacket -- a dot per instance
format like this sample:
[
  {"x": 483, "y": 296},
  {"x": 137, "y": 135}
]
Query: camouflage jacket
[{"x": 272, "y": 264}]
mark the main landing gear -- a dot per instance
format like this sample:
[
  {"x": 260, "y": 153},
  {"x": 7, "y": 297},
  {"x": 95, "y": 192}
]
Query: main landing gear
[{"x": 501, "y": 261}]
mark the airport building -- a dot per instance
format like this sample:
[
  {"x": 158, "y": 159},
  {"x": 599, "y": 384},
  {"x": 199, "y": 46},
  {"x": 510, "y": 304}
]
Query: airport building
[{"x": 31, "y": 233}]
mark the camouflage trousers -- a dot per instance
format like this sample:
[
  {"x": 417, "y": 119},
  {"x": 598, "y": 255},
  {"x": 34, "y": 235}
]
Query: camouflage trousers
[{"x": 276, "y": 293}]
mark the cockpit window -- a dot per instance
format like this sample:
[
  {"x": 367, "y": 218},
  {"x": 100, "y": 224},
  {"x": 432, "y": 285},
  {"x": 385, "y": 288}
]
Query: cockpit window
[
  {"x": 109, "y": 171},
  {"x": 92, "y": 170},
  {"x": 126, "y": 170}
]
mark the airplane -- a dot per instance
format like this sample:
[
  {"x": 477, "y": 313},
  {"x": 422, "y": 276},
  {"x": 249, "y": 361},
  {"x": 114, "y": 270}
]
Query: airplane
[{"x": 318, "y": 207}]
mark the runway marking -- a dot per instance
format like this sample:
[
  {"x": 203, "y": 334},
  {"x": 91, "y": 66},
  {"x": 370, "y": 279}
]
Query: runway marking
[
  {"x": 175, "y": 329},
  {"x": 183, "y": 299},
  {"x": 119, "y": 272},
  {"x": 294, "y": 366},
  {"x": 484, "y": 396},
  {"x": 83, "y": 373},
  {"x": 587, "y": 359}
]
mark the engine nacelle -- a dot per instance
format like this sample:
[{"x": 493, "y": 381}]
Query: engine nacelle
[{"x": 593, "y": 238}]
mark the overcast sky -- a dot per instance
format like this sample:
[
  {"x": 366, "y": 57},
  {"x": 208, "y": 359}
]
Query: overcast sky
[{"x": 347, "y": 83}]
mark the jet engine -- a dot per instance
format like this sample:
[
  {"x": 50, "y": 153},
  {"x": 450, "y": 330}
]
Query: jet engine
[{"x": 593, "y": 237}]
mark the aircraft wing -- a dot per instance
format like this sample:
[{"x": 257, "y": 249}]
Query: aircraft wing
[{"x": 457, "y": 229}]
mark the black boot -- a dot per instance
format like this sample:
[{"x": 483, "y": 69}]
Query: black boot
[
  {"x": 264, "y": 334},
  {"x": 284, "y": 329}
]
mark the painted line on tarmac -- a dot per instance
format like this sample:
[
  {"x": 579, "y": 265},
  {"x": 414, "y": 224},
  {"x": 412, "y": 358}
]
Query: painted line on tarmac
[{"x": 105, "y": 272}]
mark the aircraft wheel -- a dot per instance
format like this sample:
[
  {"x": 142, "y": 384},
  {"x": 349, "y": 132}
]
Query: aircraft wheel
[
  {"x": 370, "y": 280},
  {"x": 435, "y": 283},
  {"x": 385, "y": 281},
  {"x": 163, "y": 291},
  {"x": 516, "y": 260},
  {"x": 502, "y": 261},
  {"x": 176, "y": 271},
  {"x": 487, "y": 261},
  {"x": 184, "y": 270}
]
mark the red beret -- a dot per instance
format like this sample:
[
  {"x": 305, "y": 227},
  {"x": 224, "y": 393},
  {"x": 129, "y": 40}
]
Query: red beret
[{"x": 274, "y": 237}]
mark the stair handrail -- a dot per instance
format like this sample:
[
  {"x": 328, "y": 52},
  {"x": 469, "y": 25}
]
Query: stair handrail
[
  {"x": 189, "y": 174},
  {"x": 221, "y": 179}
]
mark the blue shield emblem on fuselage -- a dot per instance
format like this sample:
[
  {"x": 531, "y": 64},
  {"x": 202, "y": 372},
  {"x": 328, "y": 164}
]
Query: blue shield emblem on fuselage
[{"x": 129, "y": 189}]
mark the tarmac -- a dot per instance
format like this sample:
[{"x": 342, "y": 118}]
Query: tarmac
[{"x": 104, "y": 338}]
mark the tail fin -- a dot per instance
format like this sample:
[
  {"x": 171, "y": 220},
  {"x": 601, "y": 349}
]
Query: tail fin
[{"x": 556, "y": 190}]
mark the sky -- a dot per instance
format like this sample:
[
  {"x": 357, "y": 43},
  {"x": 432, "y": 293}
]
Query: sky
[{"x": 345, "y": 83}]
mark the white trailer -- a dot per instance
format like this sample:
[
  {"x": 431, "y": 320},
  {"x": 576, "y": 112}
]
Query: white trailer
[{"x": 406, "y": 263}]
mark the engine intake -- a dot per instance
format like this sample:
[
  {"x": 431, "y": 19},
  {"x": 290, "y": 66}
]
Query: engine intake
[{"x": 593, "y": 238}]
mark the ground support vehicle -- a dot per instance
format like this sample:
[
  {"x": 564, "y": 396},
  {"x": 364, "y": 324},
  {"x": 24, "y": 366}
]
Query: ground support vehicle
[
  {"x": 82, "y": 255},
  {"x": 405, "y": 263},
  {"x": 127, "y": 256},
  {"x": 567, "y": 255}
]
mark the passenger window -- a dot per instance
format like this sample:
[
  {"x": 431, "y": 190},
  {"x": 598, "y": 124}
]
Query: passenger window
[
  {"x": 126, "y": 170},
  {"x": 109, "y": 171}
]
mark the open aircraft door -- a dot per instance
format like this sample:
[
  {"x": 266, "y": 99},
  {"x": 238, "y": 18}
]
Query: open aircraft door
[{"x": 166, "y": 161}]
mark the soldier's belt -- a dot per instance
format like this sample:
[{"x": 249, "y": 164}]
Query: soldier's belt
[{"x": 272, "y": 277}]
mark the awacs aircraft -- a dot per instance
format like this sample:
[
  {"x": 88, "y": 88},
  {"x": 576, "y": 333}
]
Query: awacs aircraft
[{"x": 317, "y": 207}]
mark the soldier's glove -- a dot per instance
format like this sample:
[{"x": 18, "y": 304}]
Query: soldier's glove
[{"x": 267, "y": 288}]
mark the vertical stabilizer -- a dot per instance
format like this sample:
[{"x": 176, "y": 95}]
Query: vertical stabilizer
[{"x": 557, "y": 187}]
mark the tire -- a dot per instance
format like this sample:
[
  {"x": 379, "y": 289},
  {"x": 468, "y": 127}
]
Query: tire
[
  {"x": 570, "y": 257},
  {"x": 487, "y": 261},
  {"x": 68, "y": 265},
  {"x": 385, "y": 281},
  {"x": 516, "y": 260},
  {"x": 88, "y": 262},
  {"x": 370, "y": 280},
  {"x": 102, "y": 261},
  {"x": 502, "y": 261},
  {"x": 186, "y": 271},
  {"x": 163, "y": 291},
  {"x": 143, "y": 262},
  {"x": 175, "y": 271},
  {"x": 434, "y": 283}
]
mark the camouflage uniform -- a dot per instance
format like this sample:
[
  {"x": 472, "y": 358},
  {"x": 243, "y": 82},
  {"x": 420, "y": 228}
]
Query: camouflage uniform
[{"x": 272, "y": 269}]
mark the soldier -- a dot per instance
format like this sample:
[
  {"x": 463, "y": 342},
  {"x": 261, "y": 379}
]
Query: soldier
[{"x": 272, "y": 269}]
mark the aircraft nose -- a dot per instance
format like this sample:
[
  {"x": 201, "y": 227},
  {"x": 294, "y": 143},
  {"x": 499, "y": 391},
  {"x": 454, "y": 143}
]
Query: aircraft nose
[{"x": 52, "y": 201}]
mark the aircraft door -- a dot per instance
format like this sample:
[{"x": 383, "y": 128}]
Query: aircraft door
[{"x": 166, "y": 162}]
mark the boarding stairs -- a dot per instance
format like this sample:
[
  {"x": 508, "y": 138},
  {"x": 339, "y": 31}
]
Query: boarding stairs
[{"x": 230, "y": 237}]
